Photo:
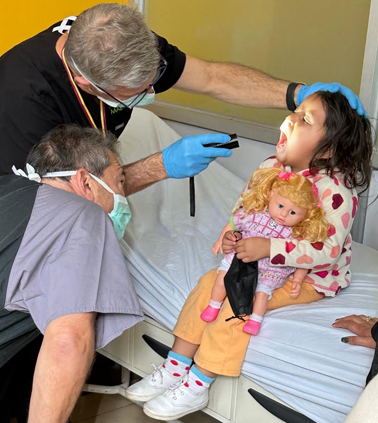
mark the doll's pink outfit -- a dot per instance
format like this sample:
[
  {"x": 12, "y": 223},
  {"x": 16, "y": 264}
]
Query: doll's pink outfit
[{"x": 263, "y": 226}]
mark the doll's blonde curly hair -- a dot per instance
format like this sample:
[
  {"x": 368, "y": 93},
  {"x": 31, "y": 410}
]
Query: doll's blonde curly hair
[{"x": 296, "y": 188}]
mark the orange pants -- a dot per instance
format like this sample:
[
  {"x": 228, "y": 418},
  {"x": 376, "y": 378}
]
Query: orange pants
[{"x": 222, "y": 345}]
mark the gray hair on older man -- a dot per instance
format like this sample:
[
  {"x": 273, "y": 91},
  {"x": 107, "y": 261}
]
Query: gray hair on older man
[
  {"x": 111, "y": 45},
  {"x": 71, "y": 147}
]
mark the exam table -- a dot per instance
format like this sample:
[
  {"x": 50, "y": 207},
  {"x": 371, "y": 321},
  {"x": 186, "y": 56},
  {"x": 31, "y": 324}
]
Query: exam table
[{"x": 296, "y": 369}]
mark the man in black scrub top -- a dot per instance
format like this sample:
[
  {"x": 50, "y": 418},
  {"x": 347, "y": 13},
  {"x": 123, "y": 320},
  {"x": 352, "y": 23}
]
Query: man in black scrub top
[{"x": 109, "y": 62}]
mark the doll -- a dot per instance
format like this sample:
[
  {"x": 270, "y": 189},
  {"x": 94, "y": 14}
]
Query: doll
[{"x": 278, "y": 204}]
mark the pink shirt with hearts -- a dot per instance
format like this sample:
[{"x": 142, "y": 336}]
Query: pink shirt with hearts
[{"x": 329, "y": 261}]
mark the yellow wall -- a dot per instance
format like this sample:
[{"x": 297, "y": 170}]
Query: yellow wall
[
  {"x": 21, "y": 19},
  {"x": 298, "y": 40}
]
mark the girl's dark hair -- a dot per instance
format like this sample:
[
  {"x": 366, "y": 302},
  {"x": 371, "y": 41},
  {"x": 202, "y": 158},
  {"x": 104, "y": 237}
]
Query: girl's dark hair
[{"x": 348, "y": 138}]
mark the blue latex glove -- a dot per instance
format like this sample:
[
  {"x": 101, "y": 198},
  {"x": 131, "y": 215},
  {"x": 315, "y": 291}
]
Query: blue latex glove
[
  {"x": 333, "y": 87},
  {"x": 188, "y": 156}
]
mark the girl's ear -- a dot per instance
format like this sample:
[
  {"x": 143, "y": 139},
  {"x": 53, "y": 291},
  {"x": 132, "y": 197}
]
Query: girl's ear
[{"x": 328, "y": 155}]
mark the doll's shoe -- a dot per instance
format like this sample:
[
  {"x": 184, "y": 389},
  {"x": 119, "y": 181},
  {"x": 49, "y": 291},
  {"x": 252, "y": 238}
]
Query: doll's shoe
[
  {"x": 252, "y": 327},
  {"x": 209, "y": 314}
]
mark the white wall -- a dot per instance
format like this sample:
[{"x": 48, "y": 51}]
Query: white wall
[
  {"x": 243, "y": 165},
  {"x": 371, "y": 225}
]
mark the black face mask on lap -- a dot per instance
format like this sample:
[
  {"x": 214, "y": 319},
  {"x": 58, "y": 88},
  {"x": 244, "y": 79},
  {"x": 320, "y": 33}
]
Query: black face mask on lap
[{"x": 240, "y": 282}]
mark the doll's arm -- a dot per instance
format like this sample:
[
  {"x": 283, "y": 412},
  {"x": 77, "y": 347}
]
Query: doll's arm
[
  {"x": 298, "y": 277},
  {"x": 218, "y": 243}
]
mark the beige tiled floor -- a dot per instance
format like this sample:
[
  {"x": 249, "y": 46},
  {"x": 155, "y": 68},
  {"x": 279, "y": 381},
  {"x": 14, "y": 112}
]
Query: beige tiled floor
[{"x": 98, "y": 408}]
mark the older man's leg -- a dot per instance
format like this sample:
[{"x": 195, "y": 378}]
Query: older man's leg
[{"x": 63, "y": 363}]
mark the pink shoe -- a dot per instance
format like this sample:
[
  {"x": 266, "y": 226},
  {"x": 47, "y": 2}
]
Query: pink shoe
[
  {"x": 252, "y": 327},
  {"x": 209, "y": 314}
]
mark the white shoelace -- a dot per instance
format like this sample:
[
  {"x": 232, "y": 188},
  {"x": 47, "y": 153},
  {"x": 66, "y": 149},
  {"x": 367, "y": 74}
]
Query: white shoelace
[
  {"x": 157, "y": 371},
  {"x": 175, "y": 389}
]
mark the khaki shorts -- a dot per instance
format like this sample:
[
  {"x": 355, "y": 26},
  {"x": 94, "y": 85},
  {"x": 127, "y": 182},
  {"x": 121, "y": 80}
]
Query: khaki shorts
[{"x": 223, "y": 344}]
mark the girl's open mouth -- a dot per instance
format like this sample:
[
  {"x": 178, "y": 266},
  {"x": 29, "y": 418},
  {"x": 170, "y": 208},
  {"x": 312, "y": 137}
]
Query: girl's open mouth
[{"x": 283, "y": 140}]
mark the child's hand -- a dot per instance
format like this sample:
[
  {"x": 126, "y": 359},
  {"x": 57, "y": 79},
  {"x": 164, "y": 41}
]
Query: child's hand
[
  {"x": 229, "y": 242},
  {"x": 252, "y": 249},
  {"x": 295, "y": 289},
  {"x": 217, "y": 247}
]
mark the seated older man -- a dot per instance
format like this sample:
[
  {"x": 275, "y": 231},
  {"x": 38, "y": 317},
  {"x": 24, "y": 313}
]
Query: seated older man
[{"x": 61, "y": 268}]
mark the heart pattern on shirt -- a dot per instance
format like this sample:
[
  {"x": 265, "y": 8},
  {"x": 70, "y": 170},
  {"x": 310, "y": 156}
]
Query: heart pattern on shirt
[
  {"x": 289, "y": 246},
  {"x": 334, "y": 287},
  {"x": 278, "y": 259},
  {"x": 355, "y": 204},
  {"x": 318, "y": 245},
  {"x": 331, "y": 231},
  {"x": 335, "y": 251},
  {"x": 345, "y": 219},
  {"x": 326, "y": 194},
  {"x": 322, "y": 266},
  {"x": 337, "y": 200},
  {"x": 305, "y": 259},
  {"x": 322, "y": 274}
]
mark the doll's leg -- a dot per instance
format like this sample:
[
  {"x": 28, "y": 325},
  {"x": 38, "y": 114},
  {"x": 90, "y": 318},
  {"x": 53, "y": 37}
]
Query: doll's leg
[
  {"x": 259, "y": 308},
  {"x": 260, "y": 303},
  {"x": 219, "y": 291},
  {"x": 218, "y": 295},
  {"x": 281, "y": 297}
]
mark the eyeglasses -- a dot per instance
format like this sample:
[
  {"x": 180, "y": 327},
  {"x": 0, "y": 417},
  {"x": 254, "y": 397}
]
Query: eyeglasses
[{"x": 139, "y": 97}]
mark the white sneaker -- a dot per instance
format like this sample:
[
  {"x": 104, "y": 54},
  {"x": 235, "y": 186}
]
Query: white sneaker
[
  {"x": 152, "y": 385},
  {"x": 177, "y": 401}
]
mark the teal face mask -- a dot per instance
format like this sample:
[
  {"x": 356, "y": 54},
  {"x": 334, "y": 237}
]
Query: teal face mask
[{"x": 121, "y": 213}]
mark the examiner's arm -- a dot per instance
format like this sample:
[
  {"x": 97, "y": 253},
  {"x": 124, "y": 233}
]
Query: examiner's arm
[
  {"x": 249, "y": 87},
  {"x": 233, "y": 83},
  {"x": 184, "y": 158},
  {"x": 145, "y": 172}
]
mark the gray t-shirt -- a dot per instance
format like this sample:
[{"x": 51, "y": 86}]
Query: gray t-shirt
[{"x": 70, "y": 262}]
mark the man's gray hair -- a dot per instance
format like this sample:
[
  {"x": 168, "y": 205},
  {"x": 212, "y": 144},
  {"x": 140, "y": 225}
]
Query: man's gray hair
[
  {"x": 112, "y": 45},
  {"x": 71, "y": 147}
]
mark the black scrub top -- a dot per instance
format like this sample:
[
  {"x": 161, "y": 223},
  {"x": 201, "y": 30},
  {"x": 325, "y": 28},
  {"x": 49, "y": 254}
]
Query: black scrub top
[
  {"x": 36, "y": 95},
  {"x": 17, "y": 197}
]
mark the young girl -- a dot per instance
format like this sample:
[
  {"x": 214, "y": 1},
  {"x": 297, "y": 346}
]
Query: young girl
[
  {"x": 326, "y": 141},
  {"x": 280, "y": 205}
]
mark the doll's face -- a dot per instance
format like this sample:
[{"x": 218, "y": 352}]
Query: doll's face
[{"x": 283, "y": 211}]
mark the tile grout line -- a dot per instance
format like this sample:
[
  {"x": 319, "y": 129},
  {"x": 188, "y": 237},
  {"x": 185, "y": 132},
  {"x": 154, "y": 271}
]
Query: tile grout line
[{"x": 106, "y": 412}]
